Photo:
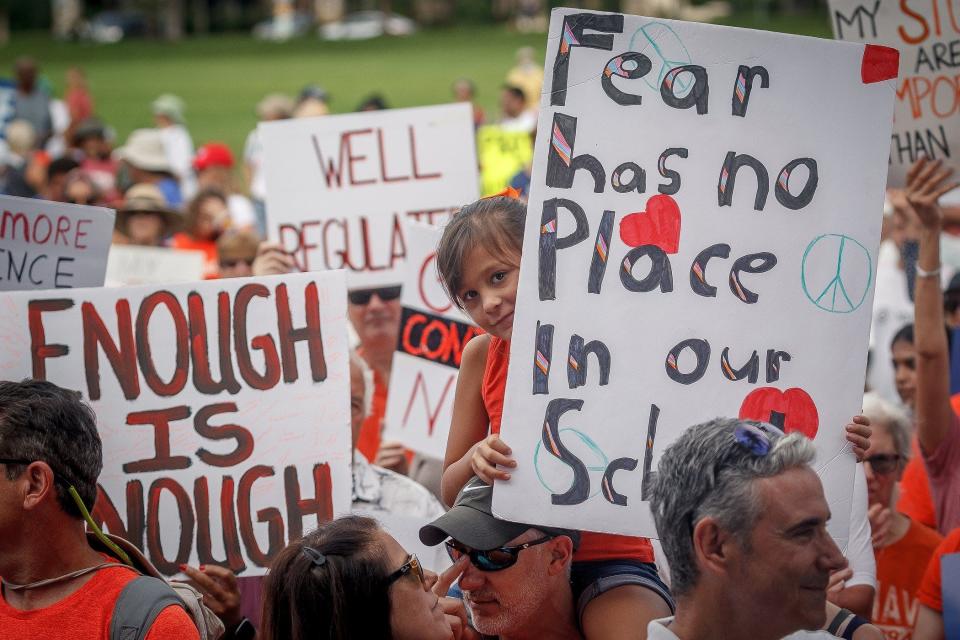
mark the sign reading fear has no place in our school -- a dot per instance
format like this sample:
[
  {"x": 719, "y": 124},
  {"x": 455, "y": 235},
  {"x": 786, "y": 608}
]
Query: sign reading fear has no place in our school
[
  {"x": 222, "y": 406},
  {"x": 701, "y": 241},
  {"x": 433, "y": 333},
  {"x": 52, "y": 245},
  {"x": 927, "y": 34},
  {"x": 338, "y": 187}
]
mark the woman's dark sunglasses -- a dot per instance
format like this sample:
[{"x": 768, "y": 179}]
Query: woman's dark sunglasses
[
  {"x": 362, "y": 296},
  {"x": 883, "y": 463},
  {"x": 494, "y": 559},
  {"x": 412, "y": 565}
]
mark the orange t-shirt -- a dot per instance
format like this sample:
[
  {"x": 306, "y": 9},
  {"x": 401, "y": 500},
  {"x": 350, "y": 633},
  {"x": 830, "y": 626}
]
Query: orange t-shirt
[
  {"x": 916, "y": 501},
  {"x": 87, "y": 612},
  {"x": 369, "y": 440},
  {"x": 900, "y": 568},
  {"x": 211, "y": 260},
  {"x": 930, "y": 592},
  {"x": 593, "y": 546}
]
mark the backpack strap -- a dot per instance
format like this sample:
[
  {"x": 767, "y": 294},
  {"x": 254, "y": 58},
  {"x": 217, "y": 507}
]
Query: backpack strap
[{"x": 138, "y": 605}]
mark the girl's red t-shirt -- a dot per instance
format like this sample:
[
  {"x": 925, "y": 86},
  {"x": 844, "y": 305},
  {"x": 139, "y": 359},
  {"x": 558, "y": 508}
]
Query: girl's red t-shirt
[{"x": 593, "y": 546}]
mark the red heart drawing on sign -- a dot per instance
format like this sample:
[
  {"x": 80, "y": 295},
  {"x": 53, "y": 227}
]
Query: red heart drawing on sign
[
  {"x": 659, "y": 225},
  {"x": 790, "y": 410}
]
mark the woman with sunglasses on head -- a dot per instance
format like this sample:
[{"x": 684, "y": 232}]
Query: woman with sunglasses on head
[{"x": 350, "y": 579}]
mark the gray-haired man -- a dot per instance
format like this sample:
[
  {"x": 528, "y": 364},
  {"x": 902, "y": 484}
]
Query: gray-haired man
[{"x": 742, "y": 520}]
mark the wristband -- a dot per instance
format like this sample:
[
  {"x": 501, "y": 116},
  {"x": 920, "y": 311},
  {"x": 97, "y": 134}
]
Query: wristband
[
  {"x": 838, "y": 621},
  {"x": 855, "y": 623},
  {"x": 923, "y": 273}
]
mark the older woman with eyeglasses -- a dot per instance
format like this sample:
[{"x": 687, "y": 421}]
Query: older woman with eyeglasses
[{"x": 351, "y": 579}]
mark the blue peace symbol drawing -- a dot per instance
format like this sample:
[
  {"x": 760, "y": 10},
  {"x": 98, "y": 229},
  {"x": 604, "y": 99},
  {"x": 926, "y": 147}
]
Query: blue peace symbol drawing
[
  {"x": 836, "y": 273},
  {"x": 666, "y": 51},
  {"x": 550, "y": 470}
]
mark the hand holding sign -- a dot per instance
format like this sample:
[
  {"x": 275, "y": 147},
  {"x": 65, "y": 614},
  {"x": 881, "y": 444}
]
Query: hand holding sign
[{"x": 926, "y": 182}]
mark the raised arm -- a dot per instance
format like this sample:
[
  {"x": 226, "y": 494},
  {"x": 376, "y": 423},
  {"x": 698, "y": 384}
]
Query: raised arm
[{"x": 926, "y": 182}]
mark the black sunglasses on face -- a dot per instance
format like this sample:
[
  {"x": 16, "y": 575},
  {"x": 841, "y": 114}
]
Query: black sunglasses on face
[
  {"x": 411, "y": 566},
  {"x": 362, "y": 296},
  {"x": 494, "y": 559},
  {"x": 883, "y": 463}
]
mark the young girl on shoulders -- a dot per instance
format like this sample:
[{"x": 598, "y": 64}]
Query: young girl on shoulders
[{"x": 616, "y": 584}]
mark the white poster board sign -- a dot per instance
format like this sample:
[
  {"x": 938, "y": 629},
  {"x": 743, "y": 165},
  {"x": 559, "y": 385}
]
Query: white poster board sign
[
  {"x": 338, "y": 186},
  {"x": 927, "y": 112},
  {"x": 701, "y": 240},
  {"x": 52, "y": 245},
  {"x": 130, "y": 265},
  {"x": 433, "y": 333},
  {"x": 223, "y": 407}
]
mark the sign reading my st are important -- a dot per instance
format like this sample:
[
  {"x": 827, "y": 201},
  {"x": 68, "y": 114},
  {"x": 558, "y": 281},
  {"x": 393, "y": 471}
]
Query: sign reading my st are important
[
  {"x": 222, "y": 406},
  {"x": 433, "y": 333},
  {"x": 927, "y": 109},
  {"x": 700, "y": 241},
  {"x": 339, "y": 186},
  {"x": 52, "y": 245}
]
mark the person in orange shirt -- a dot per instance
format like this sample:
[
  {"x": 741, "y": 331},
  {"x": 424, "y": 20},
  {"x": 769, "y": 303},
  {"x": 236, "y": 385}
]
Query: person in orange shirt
[
  {"x": 902, "y": 546},
  {"x": 207, "y": 218},
  {"x": 930, "y": 594},
  {"x": 54, "y": 585}
]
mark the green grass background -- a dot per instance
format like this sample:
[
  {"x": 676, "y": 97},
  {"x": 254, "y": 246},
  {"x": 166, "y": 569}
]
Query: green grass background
[{"x": 221, "y": 78}]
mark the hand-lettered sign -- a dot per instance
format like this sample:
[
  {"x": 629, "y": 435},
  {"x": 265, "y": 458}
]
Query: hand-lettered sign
[
  {"x": 338, "y": 186},
  {"x": 503, "y": 153},
  {"x": 222, "y": 405},
  {"x": 927, "y": 112},
  {"x": 131, "y": 265},
  {"x": 52, "y": 245},
  {"x": 433, "y": 333},
  {"x": 700, "y": 241}
]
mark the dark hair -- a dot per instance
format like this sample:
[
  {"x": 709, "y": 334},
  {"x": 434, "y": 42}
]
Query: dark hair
[
  {"x": 517, "y": 92},
  {"x": 40, "y": 421},
  {"x": 193, "y": 209},
  {"x": 345, "y": 597},
  {"x": 494, "y": 223},
  {"x": 903, "y": 334},
  {"x": 373, "y": 102},
  {"x": 61, "y": 166}
]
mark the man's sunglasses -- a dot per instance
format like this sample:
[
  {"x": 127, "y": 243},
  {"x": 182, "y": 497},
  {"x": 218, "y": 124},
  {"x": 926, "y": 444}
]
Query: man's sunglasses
[
  {"x": 883, "y": 463},
  {"x": 411, "y": 566},
  {"x": 494, "y": 559},
  {"x": 362, "y": 296}
]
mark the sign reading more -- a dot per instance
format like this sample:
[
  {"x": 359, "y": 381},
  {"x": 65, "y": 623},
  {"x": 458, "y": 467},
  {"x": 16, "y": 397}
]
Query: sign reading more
[
  {"x": 339, "y": 186},
  {"x": 222, "y": 406},
  {"x": 701, "y": 239},
  {"x": 52, "y": 245}
]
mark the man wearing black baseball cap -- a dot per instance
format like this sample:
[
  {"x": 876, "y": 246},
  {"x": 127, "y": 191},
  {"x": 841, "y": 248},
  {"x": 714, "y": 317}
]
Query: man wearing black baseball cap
[{"x": 517, "y": 582}]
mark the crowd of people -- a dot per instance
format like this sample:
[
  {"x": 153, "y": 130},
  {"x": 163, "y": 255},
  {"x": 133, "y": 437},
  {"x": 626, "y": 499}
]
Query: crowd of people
[{"x": 740, "y": 512}]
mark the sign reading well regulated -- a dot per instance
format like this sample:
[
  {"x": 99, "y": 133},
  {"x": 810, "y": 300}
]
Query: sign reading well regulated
[
  {"x": 222, "y": 406},
  {"x": 52, "y": 245},
  {"x": 928, "y": 87},
  {"x": 338, "y": 187},
  {"x": 701, "y": 241}
]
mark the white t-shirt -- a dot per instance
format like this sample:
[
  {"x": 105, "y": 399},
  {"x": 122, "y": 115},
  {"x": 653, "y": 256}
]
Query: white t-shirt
[{"x": 860, "y": 544}]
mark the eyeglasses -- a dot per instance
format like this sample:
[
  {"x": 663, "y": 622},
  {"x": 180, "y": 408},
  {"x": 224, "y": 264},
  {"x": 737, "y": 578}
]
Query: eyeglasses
[
  {"x": 753, "y": 438},
  {"x": 494, "y": 559},
  {"x": 411, "y": 566},
  {"x": 883, "y": 463},
  {"x": 362, "y": 296}
]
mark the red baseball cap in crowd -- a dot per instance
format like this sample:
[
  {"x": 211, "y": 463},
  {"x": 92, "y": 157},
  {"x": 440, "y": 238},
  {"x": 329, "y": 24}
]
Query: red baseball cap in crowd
[{"x": 213, "y": 154}]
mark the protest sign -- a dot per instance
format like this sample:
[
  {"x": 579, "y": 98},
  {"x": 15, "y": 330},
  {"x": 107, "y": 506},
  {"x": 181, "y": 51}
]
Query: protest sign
[
  {"x": 223, "y": 407},
  {"x": 52, "y": 245},
  {"x": 338, "y": 186},
  {"x": 502, "y": 153},
  {"x": 733, "y": 181},
  {"x": 927, "y": 112},
  {"x": 433, "y": 333},
  {"x": 130, "y": 265}
]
